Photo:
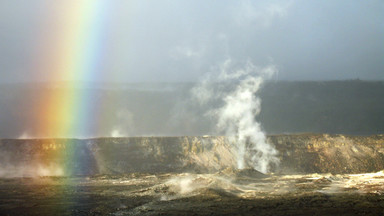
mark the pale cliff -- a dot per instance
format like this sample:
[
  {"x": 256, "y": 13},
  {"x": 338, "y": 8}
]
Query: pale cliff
[{"x": 302, "y": 153}]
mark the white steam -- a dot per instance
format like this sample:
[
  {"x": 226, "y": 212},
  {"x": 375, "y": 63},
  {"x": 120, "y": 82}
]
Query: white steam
[
  {"x": 235, "y": 90},
  {"x": 124, "y": 124},
  {"x": 25, "y": 135},
  {"x": 116, "y": 133}
]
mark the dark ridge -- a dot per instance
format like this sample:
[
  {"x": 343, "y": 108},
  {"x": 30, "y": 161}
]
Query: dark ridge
[{"x": 337, "y": 107}]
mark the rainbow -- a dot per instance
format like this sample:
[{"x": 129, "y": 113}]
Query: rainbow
[
  {"x": 71, "y": 49},
  {"x": 74, "y": 54}
]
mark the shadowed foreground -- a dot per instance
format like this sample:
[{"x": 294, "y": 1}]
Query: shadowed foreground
[{"x": 195, "y": 194}]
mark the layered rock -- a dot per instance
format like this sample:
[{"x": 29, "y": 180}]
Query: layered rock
[{"x": 304, "y": 153}]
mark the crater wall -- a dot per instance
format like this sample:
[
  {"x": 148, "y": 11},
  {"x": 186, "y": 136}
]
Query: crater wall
[{"x": 300, "y": 153}]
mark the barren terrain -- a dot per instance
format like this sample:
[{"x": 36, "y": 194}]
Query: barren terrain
[{"x": 318, "y": 174}]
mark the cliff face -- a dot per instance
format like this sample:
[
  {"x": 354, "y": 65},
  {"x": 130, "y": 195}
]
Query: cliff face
[
  {"x": 114, "y": 155},
  {"x": 329, "y": 153},
  {"x": 307, "y": 153}
]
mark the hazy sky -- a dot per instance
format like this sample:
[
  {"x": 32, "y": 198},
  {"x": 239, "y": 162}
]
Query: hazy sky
[{"x": 181, "y": 40}]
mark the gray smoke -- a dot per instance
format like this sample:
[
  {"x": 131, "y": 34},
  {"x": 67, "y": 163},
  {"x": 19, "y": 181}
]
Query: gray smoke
[{"x": 234, "y": 94}]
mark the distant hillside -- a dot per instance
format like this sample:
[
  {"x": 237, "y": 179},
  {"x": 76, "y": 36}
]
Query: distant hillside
[{"x": 348, "y": 107}]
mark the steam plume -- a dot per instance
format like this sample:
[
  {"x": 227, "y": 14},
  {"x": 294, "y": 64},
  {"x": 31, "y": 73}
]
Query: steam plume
[{"x": 234, "y": 90}]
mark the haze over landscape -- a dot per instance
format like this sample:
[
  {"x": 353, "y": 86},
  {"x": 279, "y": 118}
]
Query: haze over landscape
[{"x": 139, "y": 62}]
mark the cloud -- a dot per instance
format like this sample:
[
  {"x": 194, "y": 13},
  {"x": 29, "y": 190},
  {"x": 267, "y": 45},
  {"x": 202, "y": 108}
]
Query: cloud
[
  {"x": 260, "y": 14},
  {"x": 186, "y": 52}
]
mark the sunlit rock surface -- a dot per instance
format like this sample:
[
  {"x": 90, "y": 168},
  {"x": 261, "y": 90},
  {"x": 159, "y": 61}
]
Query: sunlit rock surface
[
  {"x": 323, "y": 153},
  {"x": 305, "y": 153}
]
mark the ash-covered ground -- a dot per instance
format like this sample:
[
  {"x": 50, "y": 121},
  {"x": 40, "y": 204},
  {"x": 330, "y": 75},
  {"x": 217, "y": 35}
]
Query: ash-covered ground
[{"x": 229, "y": 192}]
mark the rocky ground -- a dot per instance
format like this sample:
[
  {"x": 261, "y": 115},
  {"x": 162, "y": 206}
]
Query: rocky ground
[
  {"x": 318, "y": 174},
  {"x": 228, "y": 192}
]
